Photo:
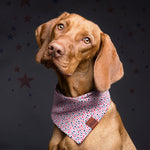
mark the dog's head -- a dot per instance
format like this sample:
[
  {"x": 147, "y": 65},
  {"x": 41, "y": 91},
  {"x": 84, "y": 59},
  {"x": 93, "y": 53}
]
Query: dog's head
[{"x": 67, "y": 42}]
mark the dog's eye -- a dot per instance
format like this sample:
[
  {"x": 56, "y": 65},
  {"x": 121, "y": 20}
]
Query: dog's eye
[
  {"x": 60, "y": 26},
  {"x": 86, "y": 40}
]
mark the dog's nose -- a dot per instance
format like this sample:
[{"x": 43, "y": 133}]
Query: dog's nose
[{"x": 56, "y": 50}]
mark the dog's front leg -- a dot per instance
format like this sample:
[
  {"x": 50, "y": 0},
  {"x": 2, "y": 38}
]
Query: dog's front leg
[{"x": 56, "y": 139}]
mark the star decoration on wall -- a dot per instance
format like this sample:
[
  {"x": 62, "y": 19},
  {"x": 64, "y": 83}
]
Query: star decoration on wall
[
  {"x": 8, "y": 3},
  {"x": 10, "y": 36},
  {"x": 27, "y": 18},
  {"x": 17, "y": 69},
  {"x": 25, "y": 81},
  {"x": 1, "y": 50},
  {"x": 132, "y": 91},
  {"x": 18, "y": 47},
  {"x": 25, "y": 2},
  {"x": 55, "y": 1},
  {"x": 13, "y": 28},
  {"x": 28, "y": 44},
  {"x": 110, "y": 10}
]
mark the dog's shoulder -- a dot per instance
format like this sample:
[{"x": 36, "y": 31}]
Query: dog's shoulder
[
  {"x": 112, "y": 111},
  {"x": 112, "y": 117}
]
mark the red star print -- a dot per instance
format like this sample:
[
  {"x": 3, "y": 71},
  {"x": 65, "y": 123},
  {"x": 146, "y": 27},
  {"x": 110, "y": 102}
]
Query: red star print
[
  {"x": 25, "y": 2},
  {"x": 142, "y": 29},
  {"x": 136, "y": 70},
  {"x": 131, "y": 60},
  {"x": 131, "y": 90},
  {"x": 130, "y": 34},
  {"x": 27, "y": 18},
  {"x": 110, "y": 10},
  {"x": 18, "y": 47},
  {"x": 17, "y": 69},
  {"x": 25, "y": 81}
]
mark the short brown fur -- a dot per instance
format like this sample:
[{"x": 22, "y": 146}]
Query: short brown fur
[{"x": 82, "y": 67}]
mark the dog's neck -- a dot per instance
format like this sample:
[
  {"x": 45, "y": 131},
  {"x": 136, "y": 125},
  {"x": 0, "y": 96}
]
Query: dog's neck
[{"x": 79, "y": 83}]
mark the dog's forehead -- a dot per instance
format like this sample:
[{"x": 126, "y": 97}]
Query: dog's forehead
[{"x": 77, "y": 21}]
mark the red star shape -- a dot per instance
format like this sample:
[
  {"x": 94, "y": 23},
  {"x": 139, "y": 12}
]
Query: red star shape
[
  {"x": 27, "y": 18},
  {"x": 142, "y": 29},
  {"x": 25, "y": 81},
  {"x": 25, "y": 2},
  {"x": 18, "y": 47},
  {"x": 17, "y": 69},
  {"x": 130, "y": 34},
  {"x": 131, "y": 90},
  {"x": 110, "y": 10}
]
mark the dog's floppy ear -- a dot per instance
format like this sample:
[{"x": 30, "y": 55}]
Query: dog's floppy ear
[
  {"x": 43, "y": 34},
  {"x": 42, "y": 31},
  {"x": 108, "y": 67}
]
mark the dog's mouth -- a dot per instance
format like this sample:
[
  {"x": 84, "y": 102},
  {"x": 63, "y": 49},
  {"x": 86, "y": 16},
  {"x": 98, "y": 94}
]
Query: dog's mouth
[
  {"x": 51, "y": 61},
  {"x": 63, "y": 67}
]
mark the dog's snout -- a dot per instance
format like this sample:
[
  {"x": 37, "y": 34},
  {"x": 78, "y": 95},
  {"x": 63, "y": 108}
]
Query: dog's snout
[
  {"x": 51, "y": 47},
  {"x": 56, "y": 50}
]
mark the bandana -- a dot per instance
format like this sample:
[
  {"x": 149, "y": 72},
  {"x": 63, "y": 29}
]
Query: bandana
[{"x": 78, "y": 116}]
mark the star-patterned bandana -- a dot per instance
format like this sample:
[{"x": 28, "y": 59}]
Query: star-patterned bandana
[{"x": 78, "y": 116}]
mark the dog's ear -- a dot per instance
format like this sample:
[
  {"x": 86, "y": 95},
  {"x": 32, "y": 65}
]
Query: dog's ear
[
  {"x": 43, "y": 34},
  {"x": 42, "y": 31},
  {"x": 108, "y": 67}
]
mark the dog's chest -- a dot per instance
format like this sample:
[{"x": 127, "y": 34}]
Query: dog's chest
[{"x": 103, "y": 137}]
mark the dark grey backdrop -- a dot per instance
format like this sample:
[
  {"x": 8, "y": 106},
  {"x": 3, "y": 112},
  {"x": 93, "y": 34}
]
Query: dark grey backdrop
[{"x": 26, "y": 88}]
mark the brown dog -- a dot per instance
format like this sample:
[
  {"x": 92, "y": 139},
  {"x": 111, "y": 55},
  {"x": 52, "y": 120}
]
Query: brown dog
[{"x": 84, "y": 59}]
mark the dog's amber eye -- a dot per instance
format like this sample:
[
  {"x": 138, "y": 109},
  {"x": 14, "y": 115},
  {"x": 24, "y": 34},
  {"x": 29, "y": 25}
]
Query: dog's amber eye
[
  {"x": 60, "y": 26},
  {"x": 86, "y": 40}
]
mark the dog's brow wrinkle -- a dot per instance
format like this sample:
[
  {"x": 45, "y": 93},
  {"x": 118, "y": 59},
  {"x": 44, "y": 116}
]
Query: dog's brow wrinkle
[{"x": 67, "y": 22}]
